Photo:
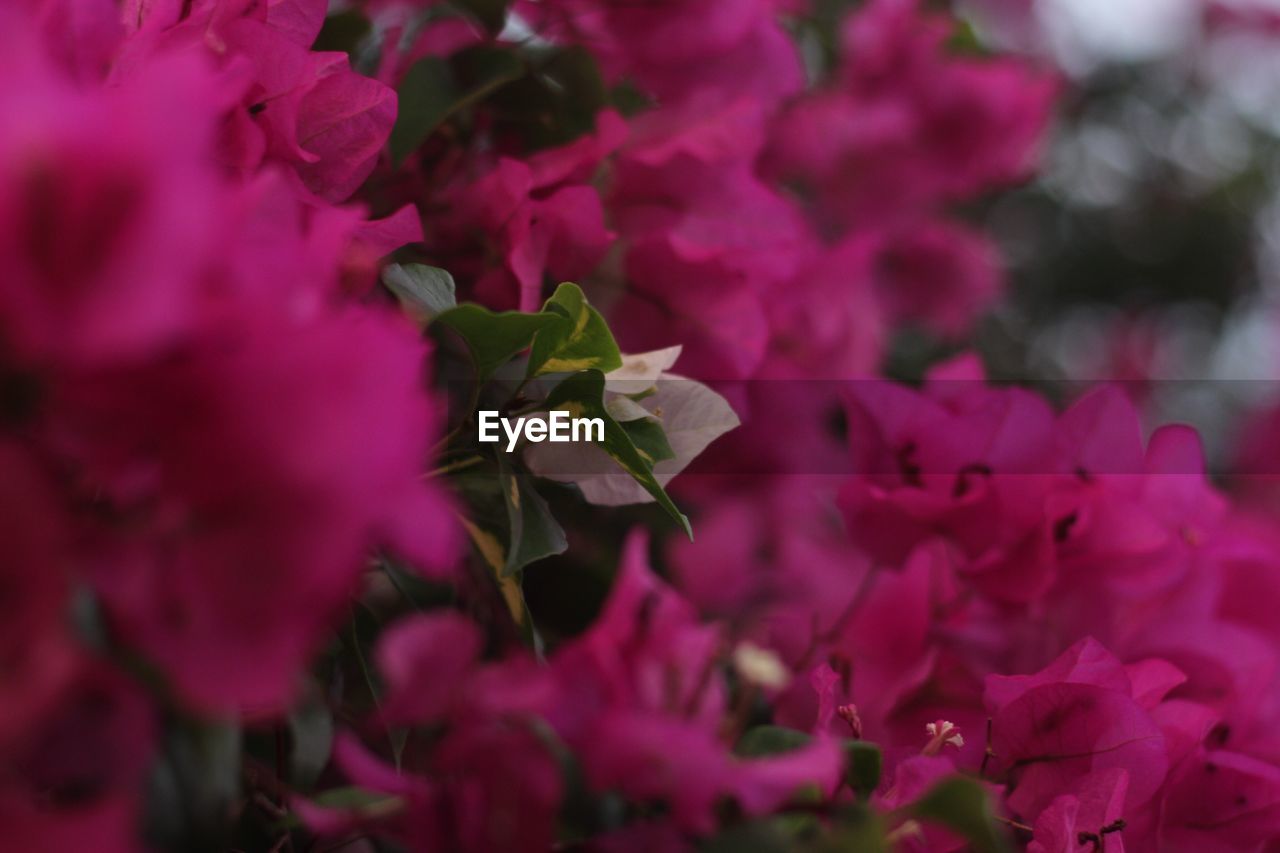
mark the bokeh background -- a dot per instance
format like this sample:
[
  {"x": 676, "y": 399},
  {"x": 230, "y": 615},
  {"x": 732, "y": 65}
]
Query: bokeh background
[{"x": 1148, "y": 249}]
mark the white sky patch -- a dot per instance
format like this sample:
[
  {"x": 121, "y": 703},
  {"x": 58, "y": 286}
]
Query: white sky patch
[{"x": 1084, "y": 33}]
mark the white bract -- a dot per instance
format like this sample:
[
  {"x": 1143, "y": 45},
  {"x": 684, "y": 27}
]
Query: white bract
[{"x": 691, "y": 415}]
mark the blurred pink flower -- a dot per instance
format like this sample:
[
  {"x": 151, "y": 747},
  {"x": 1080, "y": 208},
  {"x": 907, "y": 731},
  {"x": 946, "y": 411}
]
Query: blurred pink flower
[
  {"x": 304, "y": 109},
  {"x": 1060, "y": 728},
  {"x": 907, "y": 127}
]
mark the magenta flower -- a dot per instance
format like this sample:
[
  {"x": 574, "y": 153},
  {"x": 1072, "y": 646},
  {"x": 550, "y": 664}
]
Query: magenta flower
[
  {"x": 499, "y": 790},
  {"x": 222, "y": 434},
  {"x": 1057, "y": 731},
  {"x": 682, "y": 49},
  {"x": 36, "y": 650},
  {"x": 108, "y": 215},
  {"x": 541, "y": 216},
  {"x": 705, "y": 240},
  {"x": 643, "y": 708},
  {"x": 911, "y": 265},
  {"x": 222, "y": 448},
  {"x": 75, "y": 780},
  {"x": 240, "y": 473},
  {"x": 306, "y": 110},
  {"x": 907, "y": 126},
  {"x": 968, "y": 464},
  {"x": 1093, "y": 814}
]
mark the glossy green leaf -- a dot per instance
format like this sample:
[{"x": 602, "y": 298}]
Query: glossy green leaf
[
  {"x": 532, "y": 533},
  {"x": 577, "y": 339},
  {"x": 582, "y": 395},
  {"x": 433, "y": 90},
  {"x": 492, "y": 339},
  {"x": 649, "y": 438},
  {"x": 488, "y": 524},
  {"x": 425, "y": 292},
  {"x": 509, "y": 516},
  {"x": 426, "y": 95}
]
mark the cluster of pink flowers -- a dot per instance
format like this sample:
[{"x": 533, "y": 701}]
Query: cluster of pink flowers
[
  {"x": 638, "y": 699},
  {"x": 210, "y": 421},
  {"x": 770, "y": 229},
  {"x": 202, "y": 439},
  {"x": 984, "y": 535}
]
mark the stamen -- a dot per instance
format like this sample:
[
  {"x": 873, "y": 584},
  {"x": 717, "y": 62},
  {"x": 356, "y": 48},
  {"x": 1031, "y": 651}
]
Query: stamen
[{"x": 941, "y": 733}]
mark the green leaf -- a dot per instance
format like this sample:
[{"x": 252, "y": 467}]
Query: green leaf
[
  {"x": 862, "y": 766},
  {"x": 87, "y": 619},
  {"x": 488, "y": 524},
  {"x": 965, "y": 41},
  {"x": 311, "y": 736},
  {"x": 770, "y": 740},
  {"x": 573, "y": 77},
  {"x": 427, "y": 95},
  {"x": 433, "y": 90},
  {"x": 343, "y": 31},
  {"x": 582, "y": 395},
  {"x": 484, "y": 69},
  {"x": 533, "y": 532},
  {"x": 798, "y": 827},
  {"x": 963, "y": 806},
  {"x": 362, "y": 801},
  {"x": 493, "y": 339},
  {"x": 629, "y": 99},
  {"x": 195, "y": 780},
  {"x": 490, "y": 13},
  {"x": 557, "y": 102},
  {"x": 577, "y": 339},
  {"x": 650, "y": 439},
  {"x": 425, "y": 292},
  {"x": 510, "y": 515}
]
